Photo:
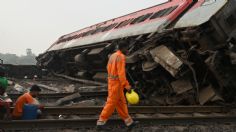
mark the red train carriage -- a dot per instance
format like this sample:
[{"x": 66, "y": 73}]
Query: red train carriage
[{"x": 180, "y": 52}]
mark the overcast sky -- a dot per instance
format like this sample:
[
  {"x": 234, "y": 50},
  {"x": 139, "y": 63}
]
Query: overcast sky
[{"x": 36, "y": 24}]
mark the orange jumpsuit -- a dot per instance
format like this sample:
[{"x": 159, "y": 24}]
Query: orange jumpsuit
[
  {"x": 23, "y": 99},
  {"x": 116, "y": 83}
]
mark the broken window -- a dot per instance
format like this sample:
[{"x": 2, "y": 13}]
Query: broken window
[
  {"x": 163, "y": 12},
  {"x": 99, "y": 29},
  {"x": 124, "y": 23},
  {"x": 141, "y": 18},
  {"x": 109, "y": 27}
]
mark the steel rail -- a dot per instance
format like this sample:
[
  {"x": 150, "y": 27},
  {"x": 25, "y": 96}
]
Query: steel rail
[
  {"x": 61, "y": 95},
  {"x": 90, "y": 122},
  {"x": 93, "y": 110}
]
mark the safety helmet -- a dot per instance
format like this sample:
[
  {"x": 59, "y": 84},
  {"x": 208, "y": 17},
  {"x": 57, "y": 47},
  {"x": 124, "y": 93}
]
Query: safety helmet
[{"x": 133, "y": 97}]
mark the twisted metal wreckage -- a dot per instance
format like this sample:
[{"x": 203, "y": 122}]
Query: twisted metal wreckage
[{"x": 180, "y": 52}]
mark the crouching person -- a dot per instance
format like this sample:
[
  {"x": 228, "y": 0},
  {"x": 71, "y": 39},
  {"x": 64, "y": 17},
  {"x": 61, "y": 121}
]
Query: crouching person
[{"x": 26, "y": 102}]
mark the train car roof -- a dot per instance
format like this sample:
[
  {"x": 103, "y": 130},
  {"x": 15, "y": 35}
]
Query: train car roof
[
  {"x": 202, "y": 10},
  {"x": 200, "y": 14}
]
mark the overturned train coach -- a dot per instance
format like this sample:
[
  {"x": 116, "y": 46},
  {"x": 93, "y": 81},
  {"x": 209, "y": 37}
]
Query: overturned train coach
[{"x": 180, "y": 51}]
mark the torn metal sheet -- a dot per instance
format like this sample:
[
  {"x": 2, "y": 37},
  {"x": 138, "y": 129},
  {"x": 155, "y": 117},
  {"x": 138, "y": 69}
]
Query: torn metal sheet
[
  {"x": 167, "y": 59},
  {"x": 206, "y": 94},
  {"x": 70, "y": 88},
  {"x": 132, "y": 58},
  {"x": 95, "y": 51},
  {"x": 149, "y": 65},
  {"x": 217, "y": 98},
  {"x": 181, "y": 86},
  {"x": 233, "y": 57}
]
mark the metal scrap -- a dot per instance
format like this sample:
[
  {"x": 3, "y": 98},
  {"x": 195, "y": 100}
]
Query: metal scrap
[
  {"x": 206, "y": 94},
  {"x": 167, "y": 59},
  {"x": 181, "y": 86}
]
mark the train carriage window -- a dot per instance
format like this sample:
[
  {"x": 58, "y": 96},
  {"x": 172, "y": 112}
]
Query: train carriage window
[
  {"x": 95, "y": 31},
  {"x": 83, "y": 34},
  {"x": 99, "y": 29},
  {"x": 91, "y": 32},
  {"x": 163, "y": 12},
  {"x": 141, "y": 18},
  {"x": 86, "y": 34},
  {"x": 124, "y": 23},
  {"x": 136, "y": 19},
  {"x": 77, "y": 36},
  {"x": 109, "y": 27}
]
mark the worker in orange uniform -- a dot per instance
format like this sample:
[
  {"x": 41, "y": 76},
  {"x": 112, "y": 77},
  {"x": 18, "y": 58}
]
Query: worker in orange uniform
[
  {"x": 27, "y": 98},
  {"x": 117, "y": 82}
]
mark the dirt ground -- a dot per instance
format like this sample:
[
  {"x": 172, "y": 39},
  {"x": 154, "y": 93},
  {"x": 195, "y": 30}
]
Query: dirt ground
[{"x": 156, "y": 128}]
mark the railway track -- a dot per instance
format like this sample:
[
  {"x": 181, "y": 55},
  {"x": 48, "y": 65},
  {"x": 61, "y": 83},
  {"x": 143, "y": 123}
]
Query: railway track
[
  {"x": 188, "y": 118},
  {"x": 93, "y": 110},
  {"x": 61, "y": 95}
]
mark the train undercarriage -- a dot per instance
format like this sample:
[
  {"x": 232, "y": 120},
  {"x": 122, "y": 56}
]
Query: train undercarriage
[{"x": 191, "y": 65}]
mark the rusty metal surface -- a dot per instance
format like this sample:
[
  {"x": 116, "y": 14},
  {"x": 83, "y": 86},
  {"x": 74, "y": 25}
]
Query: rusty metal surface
[{"x": 166, "y": 59}]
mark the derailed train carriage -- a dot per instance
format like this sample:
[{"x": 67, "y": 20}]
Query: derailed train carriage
[{"x": 180, "y": 52}]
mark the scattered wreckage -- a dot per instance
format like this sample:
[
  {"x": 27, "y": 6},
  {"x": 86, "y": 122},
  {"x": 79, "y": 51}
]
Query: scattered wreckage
[{"x": 180, "y": 52}]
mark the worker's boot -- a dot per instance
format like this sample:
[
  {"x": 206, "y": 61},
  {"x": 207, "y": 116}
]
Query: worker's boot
[
  {"x": 101, "y": 126},
  {"x": 133, "y": 125}
]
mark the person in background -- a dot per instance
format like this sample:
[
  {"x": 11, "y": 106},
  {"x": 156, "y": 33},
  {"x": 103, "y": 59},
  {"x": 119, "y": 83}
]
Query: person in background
[
  {"x": 117, "y": 82},
  {"x": 5, "y": 101},
  {"x": 27, "y": 98},
  {"x": 5, "y": 112}
]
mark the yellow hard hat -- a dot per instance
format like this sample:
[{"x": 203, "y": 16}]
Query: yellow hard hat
[{"x": 132, "y": 97}]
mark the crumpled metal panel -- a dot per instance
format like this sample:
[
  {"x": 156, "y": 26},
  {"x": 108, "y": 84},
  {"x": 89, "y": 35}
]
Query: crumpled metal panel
[
  {"x": 181, "y": 85},
  {"x": 233, "y": 57},
  {"x": 206, "y": 94},
  {"x": 132, "y": 58},
  {"x": 95, "y": 51},
  {"x": 149, "y": 65},
  {"x": 166, "y": 59},
  {"x": 201, "y": 14}
]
